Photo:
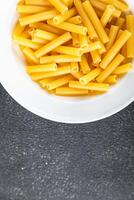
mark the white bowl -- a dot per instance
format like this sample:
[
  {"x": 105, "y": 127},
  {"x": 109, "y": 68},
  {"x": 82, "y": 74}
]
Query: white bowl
[{"x": 62, "y": 109}]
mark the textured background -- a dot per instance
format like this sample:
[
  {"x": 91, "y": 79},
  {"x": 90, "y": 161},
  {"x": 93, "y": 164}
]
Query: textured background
[{"x": 44, "y": 160}]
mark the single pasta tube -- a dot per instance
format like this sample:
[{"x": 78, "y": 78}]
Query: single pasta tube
[
  {"x": 83, "y": 42},
  {"x": 26, "y": 42},
  {"x": 38, "y": 2},
  {"x": 59, "y": 82},
  {"x": 30, "y": 9},
  {"x": 17, "y": 30},
  {"x": 111, "y": 79},
  {"x": 107, "y": 15},
  {"x": 94, "y": 46},
  {"x": 115, "y": 49},
  {"x": 29, "y": 54},
  {"x": 53, "y": 44},
  {"x": 110, "y": 68},
  {"x": 79, "y": 29},
  {"x": 90, "y": 86},
  {"x": 75, "y": 40},
  {"x": 41, "y": 68},
  {"x": 60, "y": 59},
  {"x": 46, "y": 27},
  {"x": 123, "y": 69},
  {"x": 39, "y": 40},
  {"x": 75, "y": 20},
  {"x": 130, "y": 42},
  {"x": 90, "y": 76},
  {"x": 61, "y": 18},
  {"x": 43, "y": 83},
  {"x": 85, "y": 19},
  {"x": 84, "y": 65},
  {"x": 69, "y": 50},
  {"x": 112, "y": 36},
  {"x": 65, "y": 91},
  {"x": 77, "y": 75},
  {"x": 60, "y": 71},
  {"x": 38, "y": 17},
  {"x": 95, "y": 57},
  {"x": 95, "y": 20},
  {"x": 59, "y": 5},
  {"x": 44, "y": 34}
]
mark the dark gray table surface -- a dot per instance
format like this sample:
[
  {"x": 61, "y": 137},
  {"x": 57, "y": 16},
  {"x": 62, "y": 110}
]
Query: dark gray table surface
[{"x": 44, "y": 160}]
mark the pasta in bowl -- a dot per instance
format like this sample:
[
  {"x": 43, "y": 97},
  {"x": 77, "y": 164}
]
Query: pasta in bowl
[{"x": 71, "y": 48}]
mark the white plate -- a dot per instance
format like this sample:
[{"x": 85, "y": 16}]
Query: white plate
[{"x": 62, "y": 109}]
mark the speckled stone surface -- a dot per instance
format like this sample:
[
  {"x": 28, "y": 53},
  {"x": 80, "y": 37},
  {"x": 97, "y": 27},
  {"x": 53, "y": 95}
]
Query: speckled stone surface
[{"x": 44, "y": 160}]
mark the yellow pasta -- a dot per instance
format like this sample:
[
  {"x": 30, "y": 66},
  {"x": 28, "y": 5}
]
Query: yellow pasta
[
  {"x": 123, "y": 69},
  {"x": 75, "y": 47},
  {"x": 115, "y": 49},
  {"x": 107, "y": 15},
  {"x": 60, "y": 71},
  {"x": 61, "y": 18},
  {"x": 75, "y": 20},
  {"x": 69, "y": 50},
  {"x": 53, "y": 44},
  {"x": 79, "y": 29},
  {"x": 90, "y": 76},
  {"x": 65, "y": 91},
  {"x": 38, "y": 2},
  {"x": 112, "y": 36},
  {"x": 130, "y": 42},
  {"x": 110, "y": 68},
  {"x": 38, "y": 17},
  {"x": 118, "y": 4},
  {"x": 83, "y": 40},
  {"x": 101, "y": 6},
  {"x": 111, "y": 79},
  {"x": 46, "y": 27},
  {"x": 90, "y": 86},
  {"x": 85, "y": 19},
  {"x": 29, "y": 54},
  {"x": 96, "y": 22},
  {"x": 59, "y": 82},
  {"x": 41, "y": 68},
  {"x": 75, "y": 40},
  {"x": 44, "y": 34},
  {"x": 17, "y": 30},
  {"x": 85, "y": 68},
  {"x": 95, "y": 57},
  {"x": 59, "y": 59},
  {"x": 26, "y": 42},
  {"x": 59, "y": 5},
  {"x": 30, "y": 9}
]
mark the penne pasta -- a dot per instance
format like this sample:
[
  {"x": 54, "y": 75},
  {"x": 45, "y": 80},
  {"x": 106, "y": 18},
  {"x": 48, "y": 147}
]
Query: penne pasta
[
  {"x": 59, "y": 82},
  {"x": 59, "y": 5},
  {"x": 17, "y": 30},
  {"x": 95, "y": 57},
  {"x": 75, "y": 20},
  {"x": 30, "y": 9},
  {"x": 118, "y": 4},
  {"x": 41, "y": 68},
  {"x": 90, "y": 76},
  {"x": 96, "y": 22},
  {"x": 29, "y": 54},
  {"x": 115, "y": 49},
  {"x": 69, "y": 50},
  {"x": 61, "y": 18},
  {"x": 107, "y": 14},
  {"x": 90, "y": 86},
  {"x": 123, "y": 69},
  {"x": 85, "y": 19},
  {"x": 112, "y": 36},
  {"x": 60, "y": 59},
  {"x": 38, "y": 2},
  {"x": 53, "y": 44},
  {"x": 110, "y": 68},
  {"x": 79, "y": 29},
  {"x": 84, "y": 65},
  {"x": 111, "y": 79},
  {"x": 75, "y": 40},
  {"x": 65, "y": 91},
  {"x": 83, "y": 40},
  {"x": 38, "y": 17},
  {"x": 44, "y": 34}
]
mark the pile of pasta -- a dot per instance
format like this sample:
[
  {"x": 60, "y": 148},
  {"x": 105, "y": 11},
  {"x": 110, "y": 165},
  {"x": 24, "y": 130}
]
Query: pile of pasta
[{"x": 75, "y": 47}]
